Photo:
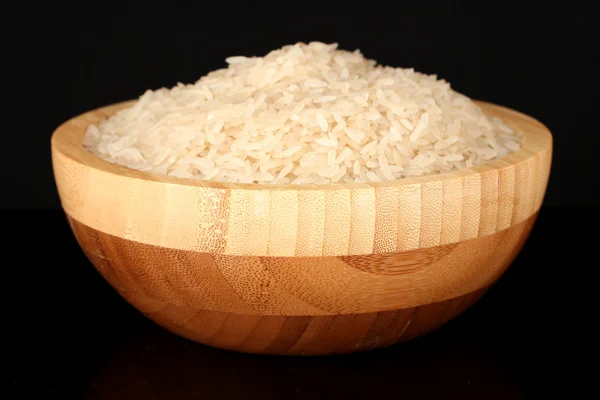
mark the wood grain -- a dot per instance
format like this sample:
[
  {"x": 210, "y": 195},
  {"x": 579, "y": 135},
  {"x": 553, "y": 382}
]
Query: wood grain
[
  {"x": 301, "y": 220},
  {"x": 302, "y": 305},
  {"x": 318, "y": 335},
  {"x": 302, "y": 269}
]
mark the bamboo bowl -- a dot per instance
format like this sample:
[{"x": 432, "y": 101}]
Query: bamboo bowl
[{"x": 301, "y": 270}]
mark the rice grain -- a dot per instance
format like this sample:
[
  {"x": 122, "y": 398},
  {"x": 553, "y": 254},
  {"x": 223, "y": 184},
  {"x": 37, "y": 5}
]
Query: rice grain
[{"x": 303, "y": 114}]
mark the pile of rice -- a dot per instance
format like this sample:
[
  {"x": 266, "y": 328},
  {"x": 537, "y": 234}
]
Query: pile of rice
[{"x": 303, "y": 114}]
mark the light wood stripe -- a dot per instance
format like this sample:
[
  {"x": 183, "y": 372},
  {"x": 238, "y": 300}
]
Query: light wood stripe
[
  {"x": 533, "y": 186},
  {"x": 362, "y": 229},
  {"x": 311, "y": 223},
  {"x": 489, "y": 204},
  {"x": 431, "y": 214},
  {"x": 451, "y": 211},
  {"x": 506, "y": 195},
  {"x": 386, "y": 230},
  {"x": 338, "y": 217},
  {"x": 249, "y": 223},
  {"x": 521, "y": 196},
  {"x": 471, "y": 207},
  {"x": 409, "y": 217},
  {"x": 283, "y": 237}
]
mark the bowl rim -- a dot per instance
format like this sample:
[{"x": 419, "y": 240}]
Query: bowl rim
[{"x": 68, "y": 140}]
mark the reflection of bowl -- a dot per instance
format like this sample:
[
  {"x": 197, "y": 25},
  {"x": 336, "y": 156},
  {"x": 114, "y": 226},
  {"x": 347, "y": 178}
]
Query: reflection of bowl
[
  {"x": 284, "y": 269},
  {"x": 466, "y": 365}
]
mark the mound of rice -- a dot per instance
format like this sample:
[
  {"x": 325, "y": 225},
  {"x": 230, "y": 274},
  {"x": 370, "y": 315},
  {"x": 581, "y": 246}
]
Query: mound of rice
[{"x": 303, "y": 114}]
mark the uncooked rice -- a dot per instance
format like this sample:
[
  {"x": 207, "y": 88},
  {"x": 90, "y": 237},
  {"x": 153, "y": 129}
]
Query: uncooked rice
[{"x": 303, "y": 114}]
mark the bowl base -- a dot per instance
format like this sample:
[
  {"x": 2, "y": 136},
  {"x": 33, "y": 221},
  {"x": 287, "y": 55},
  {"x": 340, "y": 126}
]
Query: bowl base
[{"x": 311, "y": 335}]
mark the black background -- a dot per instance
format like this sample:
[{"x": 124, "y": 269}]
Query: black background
[
  {"x": 72, "y": 60},
  {"x": 71, "y": 335}
]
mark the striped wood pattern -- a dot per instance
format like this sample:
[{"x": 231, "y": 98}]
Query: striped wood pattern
[{"x": 302, "y": 269}]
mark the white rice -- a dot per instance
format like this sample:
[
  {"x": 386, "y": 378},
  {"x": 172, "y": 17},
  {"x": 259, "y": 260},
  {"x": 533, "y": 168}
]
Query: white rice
[{"x": 302, "y": 114}]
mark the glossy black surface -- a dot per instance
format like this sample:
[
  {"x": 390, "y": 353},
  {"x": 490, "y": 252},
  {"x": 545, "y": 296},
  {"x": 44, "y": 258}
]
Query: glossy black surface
[{"x": 72, "y": 336}]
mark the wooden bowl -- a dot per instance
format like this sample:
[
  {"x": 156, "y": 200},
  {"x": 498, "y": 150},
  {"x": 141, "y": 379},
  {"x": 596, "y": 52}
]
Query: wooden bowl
[{"x": 302, "y": 269}]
